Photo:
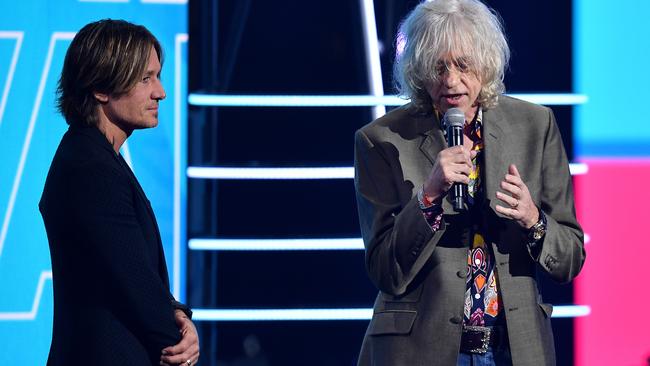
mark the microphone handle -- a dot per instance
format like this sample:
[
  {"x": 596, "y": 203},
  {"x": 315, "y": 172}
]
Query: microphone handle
[
  {"x": 458, "y": 190},
  {"x": 458, "y": 196}
]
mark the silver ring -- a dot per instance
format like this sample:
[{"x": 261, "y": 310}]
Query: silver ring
[
  {"x": 189, "y": 362},
  {"x": 516, "y": 204}
]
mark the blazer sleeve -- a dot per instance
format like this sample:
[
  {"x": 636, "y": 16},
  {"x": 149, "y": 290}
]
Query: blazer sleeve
[
  {"x": 562, "y": 252},
  {"x": 397, "y": 238},
  {"x": 101, "y": 201}
]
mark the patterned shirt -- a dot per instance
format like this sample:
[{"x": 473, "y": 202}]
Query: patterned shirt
[{"x": 482, "y": 306}]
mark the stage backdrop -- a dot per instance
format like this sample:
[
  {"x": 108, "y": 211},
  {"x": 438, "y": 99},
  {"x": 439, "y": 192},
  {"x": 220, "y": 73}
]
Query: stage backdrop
[
  {"x": 612, "y": 137},
  {"x": 34, "y": 36}
]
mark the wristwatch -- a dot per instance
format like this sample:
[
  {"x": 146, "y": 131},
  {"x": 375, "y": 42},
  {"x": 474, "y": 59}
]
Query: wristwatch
[{"x": 537, "y": 231}]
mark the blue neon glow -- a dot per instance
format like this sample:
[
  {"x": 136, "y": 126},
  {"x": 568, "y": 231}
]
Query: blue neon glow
[
  {"x": 571, "y": 311},
  {"x": 283, "y": 244},
  {"x": 610, "y": 65},
  {"x": 33, "y": 39},
  {"x": 270, "y": 173},
  {"x": 277, "y": 244},
  {"x": 565, "y": 311},
  {"x": 373, "y": 62},
  {"x": 219, "y": 100},
  {"x": 299, "y": 173}
]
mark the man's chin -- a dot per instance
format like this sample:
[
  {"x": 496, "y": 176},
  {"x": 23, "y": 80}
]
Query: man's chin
[{"x": 146, "y": 125}]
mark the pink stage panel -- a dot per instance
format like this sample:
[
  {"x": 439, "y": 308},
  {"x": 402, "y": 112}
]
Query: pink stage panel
[{"x": 613, "y": 202}]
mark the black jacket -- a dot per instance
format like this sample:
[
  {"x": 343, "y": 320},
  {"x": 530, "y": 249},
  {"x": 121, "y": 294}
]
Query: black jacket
[{"x": 112, "y": 304}]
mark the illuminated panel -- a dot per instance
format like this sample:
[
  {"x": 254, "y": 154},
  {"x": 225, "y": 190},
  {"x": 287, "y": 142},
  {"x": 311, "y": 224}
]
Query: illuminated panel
[
  {"x": 327, "y": 314},
  {"x": 221, "y": 100},
  {"x": 373, "y": 62},
  {"x": 612, "y": 135},
  {"x": 270, "y": 173},
  {"x": 34, "y": 36},
  {"x": 298, "y": 173},
  {"x": 283, "y": 244},
  {"x": 277, "y": 244},
  {"x": 610, "y": 65},
  {"x": 612, "y": 203}
]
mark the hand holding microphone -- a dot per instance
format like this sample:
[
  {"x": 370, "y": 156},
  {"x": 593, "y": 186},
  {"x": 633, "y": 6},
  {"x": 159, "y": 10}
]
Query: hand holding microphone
[{"x": 450, "y": 173}]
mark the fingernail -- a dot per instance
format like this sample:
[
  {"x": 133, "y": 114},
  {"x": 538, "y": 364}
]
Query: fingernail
[{"x": 165, "y": 352}]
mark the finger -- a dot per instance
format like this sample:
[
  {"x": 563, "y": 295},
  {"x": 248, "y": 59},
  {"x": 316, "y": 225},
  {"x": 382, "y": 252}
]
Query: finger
[
  {"x": 457, "y": 174},
  {"x": 473, "y": 153},
  {"x": 512, "y": 169},
  {"x": 461, "y": 178},
  {"x": 512, "y": 213},
  {"x": 458, "y": 149},
  {"x": 514, "y": 190},
  {"x": 456, "y": 156},
  {"x": 181, "y": 347},
  {"x": 508, "y": 200},
  {"x": 468, "y": 161},
  {"x": 195, "y": 358},
  {"x": 177, "y": 359},
  {"x": 463, "y": 168},
  {"x": 190, "y": 354},
  {"x": 452, "y": 151},
  {"x": 513, "y": 179},
  {"x": 181, "y": 320}
]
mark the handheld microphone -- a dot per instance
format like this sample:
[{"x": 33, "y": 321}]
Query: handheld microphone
[{"x": 455, "y": 121}]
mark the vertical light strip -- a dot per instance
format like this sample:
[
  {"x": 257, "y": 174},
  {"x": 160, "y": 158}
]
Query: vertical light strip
[
  {"x": 30, "y": 130},
  {"x": 373, "y": 64},
  {"x": 176, "y": 281},
  {"x": 12, "y": 67}
]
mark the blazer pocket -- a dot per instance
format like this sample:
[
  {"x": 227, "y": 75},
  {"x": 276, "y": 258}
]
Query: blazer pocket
[
  {"x": 392, "y": 322},
  {"x": 547, "y": 309}
]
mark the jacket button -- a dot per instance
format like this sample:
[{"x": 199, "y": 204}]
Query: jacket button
[
  {"x": 455, "y": 320},
  {"x": 461, "y": 274}
]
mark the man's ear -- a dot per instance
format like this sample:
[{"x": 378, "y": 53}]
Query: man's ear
[{"x": 101, "y": 97}]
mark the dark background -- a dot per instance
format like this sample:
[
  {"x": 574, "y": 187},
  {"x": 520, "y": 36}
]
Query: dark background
[{"x": 313, "y": 47}]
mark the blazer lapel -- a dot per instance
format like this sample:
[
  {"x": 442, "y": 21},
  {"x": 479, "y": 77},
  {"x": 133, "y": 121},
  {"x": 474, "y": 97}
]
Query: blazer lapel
[
  {"x": 496, "y": 145},
  {"x": 143, "y": 197},
  {"x": 432, "y": 142}
]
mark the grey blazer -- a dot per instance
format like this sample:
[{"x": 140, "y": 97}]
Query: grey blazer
[{"x": 417, "y": 316}]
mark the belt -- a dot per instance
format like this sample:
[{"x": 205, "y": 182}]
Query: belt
[{"x": 477, "y": 339}]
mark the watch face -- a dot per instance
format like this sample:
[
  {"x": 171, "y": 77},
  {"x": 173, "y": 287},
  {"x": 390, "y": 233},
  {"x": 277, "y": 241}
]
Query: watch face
[{"x": 538, "y": 230}]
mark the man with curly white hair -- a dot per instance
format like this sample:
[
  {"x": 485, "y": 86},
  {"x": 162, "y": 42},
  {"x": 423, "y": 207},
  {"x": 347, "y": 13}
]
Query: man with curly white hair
[{"x": 458, "y": 286}]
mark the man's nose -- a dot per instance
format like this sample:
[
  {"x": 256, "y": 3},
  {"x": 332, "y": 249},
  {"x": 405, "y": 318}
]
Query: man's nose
[
  {"x": 451, "y": 77},
  {"x": 158, "y": 91}
]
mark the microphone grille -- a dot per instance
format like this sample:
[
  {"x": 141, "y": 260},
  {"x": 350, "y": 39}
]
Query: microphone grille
[{"x": 455, "y": 117}]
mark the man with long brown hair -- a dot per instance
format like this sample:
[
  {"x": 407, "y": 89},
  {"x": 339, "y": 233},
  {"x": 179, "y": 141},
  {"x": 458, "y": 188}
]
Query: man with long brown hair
[{"x": 112, "y": 304}]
